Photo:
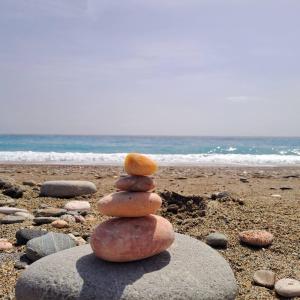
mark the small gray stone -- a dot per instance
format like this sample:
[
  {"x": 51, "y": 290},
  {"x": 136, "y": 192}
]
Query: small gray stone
[
  {"x": 188, "y": 270},
  {"x": 14, "y": 192},
  {"x": 288, "y": 287},
  {"x": 67, "y": 188},
  {"x": 50, "y": 212},
  {"x": 26, "y": 234},
  {"x": 264, "y": 278},
  {"x": 12, "y": 219},
  {"x": 217, "y": 240},
  {"x": 26, "y": 215},
  {"x": 44, "y": 220},
  {"x": 11, "y": 210},
  {"x": 47, "y": 244}
]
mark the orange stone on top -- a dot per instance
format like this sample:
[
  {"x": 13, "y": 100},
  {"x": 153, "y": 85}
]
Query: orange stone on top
[
  {"x": 129, "y": 239},
  {"x": 138, "y": 164}
]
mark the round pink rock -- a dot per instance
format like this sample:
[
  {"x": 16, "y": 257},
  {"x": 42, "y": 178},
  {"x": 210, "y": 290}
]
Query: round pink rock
[
  {"x": 135, "y": 183},
  {"x": 5, "y": 245},
  {"x": 258, "y": 238},
  {"x": 78, "y": 205},
  {"x": 129, "y": 204},
  {"x": 129, "y": 239}
]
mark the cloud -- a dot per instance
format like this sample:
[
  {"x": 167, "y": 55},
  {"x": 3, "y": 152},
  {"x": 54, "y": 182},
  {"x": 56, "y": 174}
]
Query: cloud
[{"x": 244, "y": 99}]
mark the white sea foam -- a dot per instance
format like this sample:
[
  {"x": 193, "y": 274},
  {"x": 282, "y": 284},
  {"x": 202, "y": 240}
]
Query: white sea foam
[{"x": 163, "y": 159}]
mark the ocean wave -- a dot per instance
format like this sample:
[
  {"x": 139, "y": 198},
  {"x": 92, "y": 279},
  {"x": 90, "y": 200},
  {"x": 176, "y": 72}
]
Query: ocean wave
[{"x": 162, "y": 159}]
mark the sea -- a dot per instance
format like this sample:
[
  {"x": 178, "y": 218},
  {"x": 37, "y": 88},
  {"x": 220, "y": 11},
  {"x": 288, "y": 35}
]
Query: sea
[{"x": 166, "y": 150}]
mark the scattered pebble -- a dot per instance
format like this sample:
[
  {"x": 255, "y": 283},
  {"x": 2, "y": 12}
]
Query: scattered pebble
[
  {"x": 288, "y": 287},
  {"x": 276, "y": 196},
  {"x": 68, "y": 218},
  {"x": 258, "y": 238},
  {"x": 5, "y": 245},
  {"x": 11, "y": 219},
  {"x": 14, "y": 192},
  {"x": 26, "y": 234},
  {"x": 50, "y": 212},
  {"x": 78, "y": 205},
  {"x": 44, "y": 220},
  {"x": 29, "y": 183},
  {"x": 60, "y": 224},
  {"x": 217, "y": 240},
  {"x": 264, "y": 278}
]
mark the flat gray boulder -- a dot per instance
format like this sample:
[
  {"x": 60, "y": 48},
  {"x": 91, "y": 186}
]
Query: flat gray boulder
[
  {"x": 188, "y": 270},
  {"x": 67, "y": 188}
]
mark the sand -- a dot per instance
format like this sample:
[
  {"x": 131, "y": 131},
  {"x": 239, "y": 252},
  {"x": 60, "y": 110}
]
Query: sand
[{"x": 249, "y": 206}]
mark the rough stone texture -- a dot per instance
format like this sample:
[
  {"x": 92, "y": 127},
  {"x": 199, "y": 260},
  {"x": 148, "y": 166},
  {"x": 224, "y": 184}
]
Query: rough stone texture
[
  {"x": 190, "y": 270},
  {"x": 47, "y": 244},
  {"x": 44, "y": 220},
  {"x": 26, "y": 234},
  {"x": 256, "y": 238},
  {"x": 12, "y": 219},
  {"x": 216, "y": 240},
  {"x": 67, "y": 188}
]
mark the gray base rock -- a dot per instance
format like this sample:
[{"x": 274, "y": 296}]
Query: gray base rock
[
  {"x": 67, "y": 188},
  {"x": 188, "y": 270}
]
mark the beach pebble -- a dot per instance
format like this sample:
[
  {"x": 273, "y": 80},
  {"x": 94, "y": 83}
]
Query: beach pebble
[
  {"x": 78, "y": 205},
  {"x": 138, "y": 164},
  {"x": 276, "y": 196},
  {"x": 67, "y": 188},
  {"x": 11, "y": 210},
  {"x": 5, "y": 245},
  {"x": 264, "y": 278},
  {"x": 14, "y": 192},
  {"x": 68, "y": 218},
  {"x": 78, "y": 239},
  {"x": 220, "y": 195},
  {"x": 129, "y": 204},
  {"x": 26, "y": 215},
  {"x": 79, "y": 219},
  {"x": 50, "y": 212},
  {"x": 60, "y": 224},
  {"x": 5, "y": 184},
  {"x": 217, "y": 240},
  {"x": 135, "y": 183},
  {"x": 26, "y": 234},
  {"x": 288, "y": 287},
  {"x": 11, "y": 219},
  {"x": 29, "y": 183},
  {"x": 189, "y": 269},
  {"x": 128, "y": 239},
  {"x": 47, "y": 244},
  {"x": 44, "y": 220},
  {"x": 258, "y": 238}
]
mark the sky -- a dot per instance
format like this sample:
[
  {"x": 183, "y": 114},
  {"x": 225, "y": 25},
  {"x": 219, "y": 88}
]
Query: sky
[{"x": 151, "y": 67}]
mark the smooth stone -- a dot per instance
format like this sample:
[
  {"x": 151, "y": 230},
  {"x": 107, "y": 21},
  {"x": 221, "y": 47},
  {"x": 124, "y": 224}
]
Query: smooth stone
[
  {"x": 217, "y": 240},
  {"x": 188, "y": 270},
  {"x": 29, "y": 183},
  {"x": 47, "y": 244},
  {"x": 288, "y": 287},
  {"x": 79, "y": 219},
  {"x": 4, "y": 184},
  {"x": 11, "y": 210},
  {"x": 78, "y": 205},
  {"x": 67, "y": 188},
  {"x": 276, "y": 196},
  {"x": 21, "y": 265},
  {"x": 50, "y": 212},
  {"x": 264, "y": 278},
  {"x": 10, "y": 219},
  {"x": 5, "y": 245},
  {"x": 135, "y": 183},
  {"x": 44, "y": 220},
  {"x": 26, "y": 215},
  {"x": 129, "y": 204},
  {"x": 78, "y": 239},
  {"x": 7, "y": 201},
  {"x": 68, "y": 218},
  {"x": 14, "y": 192},
  {"x": 26, "y": 234},
  {"x": 258, "y": 238},
  {"x": 60, "y": 224},
  {"x": 128, "y": 239},
  {"x": 138, "y": 164}
]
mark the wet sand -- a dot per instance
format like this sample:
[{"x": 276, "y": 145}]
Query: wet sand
[{"x": 249, "y": 206}]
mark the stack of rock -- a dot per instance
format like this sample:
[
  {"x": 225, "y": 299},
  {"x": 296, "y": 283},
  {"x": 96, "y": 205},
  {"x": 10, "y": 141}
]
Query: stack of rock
[{"x": 135, "y": 232}]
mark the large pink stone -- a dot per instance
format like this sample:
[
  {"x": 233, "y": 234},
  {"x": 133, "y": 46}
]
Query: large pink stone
[
  {"x": 129, "y": 239},
  {"x": 129, "y": 204},
  {"x": 135, "y": 183}
]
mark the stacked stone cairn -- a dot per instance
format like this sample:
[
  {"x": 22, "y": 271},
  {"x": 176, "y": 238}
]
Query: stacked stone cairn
[{"x": 135, "y": 232}]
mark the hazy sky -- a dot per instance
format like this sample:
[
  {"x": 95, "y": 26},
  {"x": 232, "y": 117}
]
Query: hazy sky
[{"x": 177, "y": 67}]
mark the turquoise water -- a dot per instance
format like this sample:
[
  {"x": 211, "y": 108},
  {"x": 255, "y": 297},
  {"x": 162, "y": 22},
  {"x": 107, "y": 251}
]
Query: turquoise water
[{"x": 167, "y": 150}]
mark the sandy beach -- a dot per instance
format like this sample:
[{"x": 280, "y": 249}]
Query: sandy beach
[{"x": 249, "y": 204}]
